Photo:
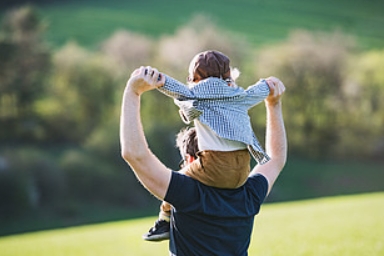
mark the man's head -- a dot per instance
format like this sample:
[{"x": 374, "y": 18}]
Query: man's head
[
  {"x": 209, "y": 64},
  {"x": 186, "y": 142}
]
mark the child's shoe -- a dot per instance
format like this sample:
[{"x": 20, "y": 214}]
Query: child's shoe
[{"x": 159, "y": 232}]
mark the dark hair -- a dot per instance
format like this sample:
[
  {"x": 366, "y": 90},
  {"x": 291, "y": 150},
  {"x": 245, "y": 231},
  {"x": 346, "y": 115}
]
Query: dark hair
[
  {"x": 186, "y": 141},
  {"x": 209, "y": 64}
]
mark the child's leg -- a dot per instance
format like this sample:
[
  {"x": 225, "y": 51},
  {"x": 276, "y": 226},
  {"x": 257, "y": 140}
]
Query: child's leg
[
  {"x": 165, "y": 211},
  {"x": 160, "y": 231}
]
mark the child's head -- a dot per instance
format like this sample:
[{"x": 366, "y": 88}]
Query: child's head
[{"x": 209, "y": 64}]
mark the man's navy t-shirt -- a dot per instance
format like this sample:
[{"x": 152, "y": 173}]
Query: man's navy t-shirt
[{"x": 212, "y": 221}]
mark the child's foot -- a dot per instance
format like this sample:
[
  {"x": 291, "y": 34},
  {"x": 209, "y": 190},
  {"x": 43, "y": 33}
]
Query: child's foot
[{"x": 159, "y": 232}]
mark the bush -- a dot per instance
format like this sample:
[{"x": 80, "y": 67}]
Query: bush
[
  {"x": 363, "y": 92},
  {"x": 94, "y": 181},
  {"x": 81, "y": 94},
  {"x": 200, "y": 34},
  {"x": 24, "y": 65},
  {"x": 29, "y": 180},
  {"x": 312, "y": 66}
]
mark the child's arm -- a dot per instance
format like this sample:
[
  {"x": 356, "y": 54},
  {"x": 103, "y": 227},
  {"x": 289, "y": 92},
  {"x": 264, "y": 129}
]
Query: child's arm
[
  {"x": 183, "y": 98},
  {"x": 175, "y": 89},
  {"x": 258, "y": 92}
]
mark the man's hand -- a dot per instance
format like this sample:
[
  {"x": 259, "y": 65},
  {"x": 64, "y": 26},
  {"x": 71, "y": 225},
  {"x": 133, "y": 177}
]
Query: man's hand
[
  {"x": 145, "y": 79},
  {"x": 276, "y": 88}
]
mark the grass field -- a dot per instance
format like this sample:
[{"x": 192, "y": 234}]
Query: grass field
[
  {"x": 339, "y": 226},
  {"x": 91, "y": 21}
]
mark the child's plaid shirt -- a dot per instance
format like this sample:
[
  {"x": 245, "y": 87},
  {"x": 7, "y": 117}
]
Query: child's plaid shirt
[{"x": 223, "y": 108}]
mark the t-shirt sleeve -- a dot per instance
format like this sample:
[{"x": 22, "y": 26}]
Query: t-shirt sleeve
[
  {"x": 182, "y": 191},
  {"x": 187, "y": 194},
  {"x": 260, "y": 186}
]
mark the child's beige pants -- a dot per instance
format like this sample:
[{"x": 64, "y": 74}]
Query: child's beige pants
[{"x": 220, "y": 169}]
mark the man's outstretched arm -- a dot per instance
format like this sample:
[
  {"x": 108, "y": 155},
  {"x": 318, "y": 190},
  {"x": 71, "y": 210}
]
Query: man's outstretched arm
[
  {"x": 276, "y": 139},
  {"x": 150, "y": 171}
]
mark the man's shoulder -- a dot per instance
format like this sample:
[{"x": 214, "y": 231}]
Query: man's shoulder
[
  {"x": 186, "y": 193},
  {"x": 258, "y": 184},
  {"x": 258, "y": 177},
  {"x": 179, "y": 187}
]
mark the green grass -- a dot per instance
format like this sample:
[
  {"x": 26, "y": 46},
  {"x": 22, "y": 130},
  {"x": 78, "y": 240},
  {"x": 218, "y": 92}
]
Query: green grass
[
  {"x": 261, "y": 22},
  {"x": 339, "y": 226}
]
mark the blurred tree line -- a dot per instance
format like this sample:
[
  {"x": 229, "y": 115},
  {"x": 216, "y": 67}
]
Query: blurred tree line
[
  {"x": 59, "y": 109},
  {"x": 14, "y": 3}
]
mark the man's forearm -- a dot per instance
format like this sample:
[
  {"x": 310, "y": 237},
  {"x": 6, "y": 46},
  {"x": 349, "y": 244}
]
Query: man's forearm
[
  {"x": 151, "y": 172},
  {"x": 132, "y": 139},
  {"x": 276, "y": 140}
]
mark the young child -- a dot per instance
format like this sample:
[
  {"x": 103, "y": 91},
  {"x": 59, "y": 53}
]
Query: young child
[{"x": 219, "y": 110}]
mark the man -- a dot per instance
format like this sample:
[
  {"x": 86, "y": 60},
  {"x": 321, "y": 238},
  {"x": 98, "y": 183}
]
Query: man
[
  {"x": 218, "y": 108},
  {"x": 205, "y": 220},
  {"x": 187, "y": 143}
]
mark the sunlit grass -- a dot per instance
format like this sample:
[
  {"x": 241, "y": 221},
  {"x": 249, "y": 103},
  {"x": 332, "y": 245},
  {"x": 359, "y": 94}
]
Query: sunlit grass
[
  {"x": 115, "y": 238},
  {"x": 331, "y": 226},
  {"x": 348, "y": 225}
]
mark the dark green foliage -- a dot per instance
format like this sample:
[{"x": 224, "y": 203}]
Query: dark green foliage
[
  {"x": 24, "y": 64},
  {"x": 29, "y": 180}
]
